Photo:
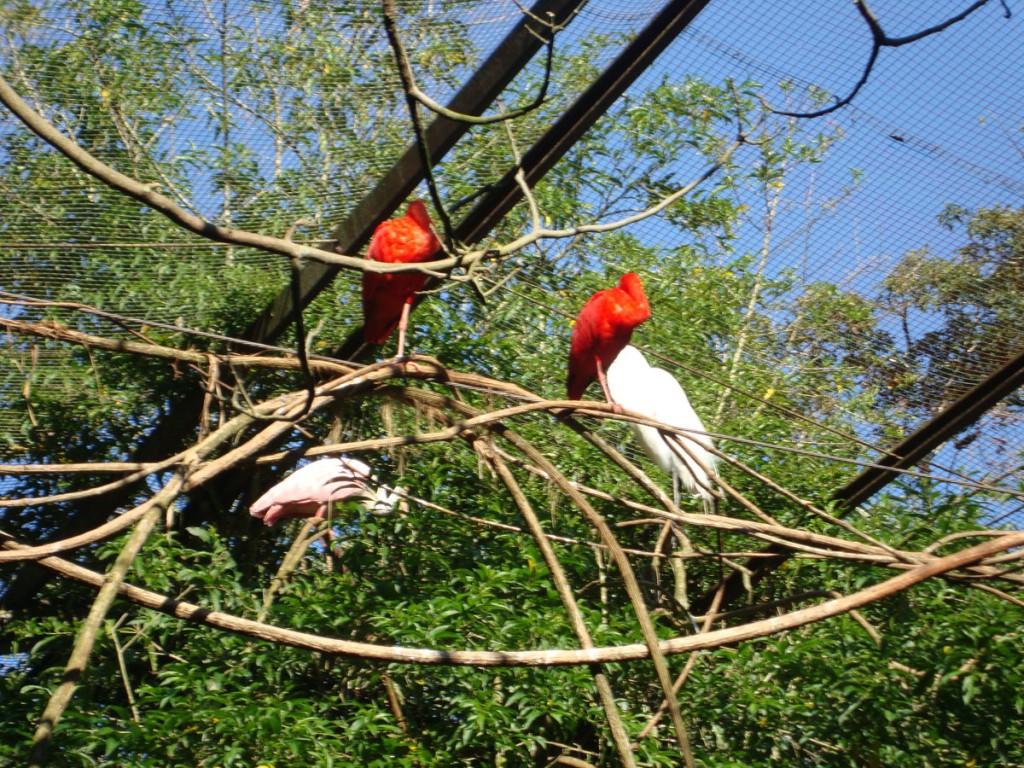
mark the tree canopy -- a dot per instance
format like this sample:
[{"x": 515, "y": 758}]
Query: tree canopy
[{"x": 140, "y": 422}]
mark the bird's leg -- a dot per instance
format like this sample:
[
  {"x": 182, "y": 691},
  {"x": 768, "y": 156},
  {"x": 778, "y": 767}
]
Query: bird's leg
[
  {"x": 403, "y": 323},
  {"x": 616, "y": 408}
]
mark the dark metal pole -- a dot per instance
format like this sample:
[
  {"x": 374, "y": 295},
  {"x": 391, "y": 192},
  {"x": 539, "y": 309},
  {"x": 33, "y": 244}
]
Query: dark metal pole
[
  {"x": 478, "y": 93},
  {"x": 634, "y": 59},
  {"x": 907, "y": 453},
  {"x": 953, "y": 419}
]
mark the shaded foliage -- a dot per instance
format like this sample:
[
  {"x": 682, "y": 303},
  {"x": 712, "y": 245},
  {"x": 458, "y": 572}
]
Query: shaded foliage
[{"x": 804, "y": 359}]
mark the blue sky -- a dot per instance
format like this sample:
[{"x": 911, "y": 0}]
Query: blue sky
[{"x": 935, "y": 124}]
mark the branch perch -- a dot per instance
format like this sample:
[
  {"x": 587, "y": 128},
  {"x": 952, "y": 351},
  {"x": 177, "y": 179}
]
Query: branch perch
[{"x": 544, "y": 658}]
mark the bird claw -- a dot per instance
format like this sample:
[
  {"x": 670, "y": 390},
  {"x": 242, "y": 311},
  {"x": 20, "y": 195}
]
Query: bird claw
[{"x": 407, "y": 364}]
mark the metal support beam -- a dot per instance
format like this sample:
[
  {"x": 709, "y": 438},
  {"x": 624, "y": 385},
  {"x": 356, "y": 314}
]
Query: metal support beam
[
  {"x": 953, "y": 419},
  {"x": 475, "y": 96},
  {"x": 502, "y": 196},
  {"x": 949, "y": 422}
]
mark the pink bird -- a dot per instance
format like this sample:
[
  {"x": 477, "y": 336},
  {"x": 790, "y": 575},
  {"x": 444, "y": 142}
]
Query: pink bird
[
  {"x": 603, "y": 327},
  {"x": 307, "y": 492},
  {"x": 388, "y": 297}
]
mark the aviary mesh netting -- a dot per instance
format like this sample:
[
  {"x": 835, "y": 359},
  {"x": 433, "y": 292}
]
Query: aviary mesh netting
[{"x": 824, "y": 206}]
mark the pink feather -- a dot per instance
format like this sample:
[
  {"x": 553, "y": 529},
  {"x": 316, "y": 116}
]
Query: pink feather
[{"x": 306, "y": 492}]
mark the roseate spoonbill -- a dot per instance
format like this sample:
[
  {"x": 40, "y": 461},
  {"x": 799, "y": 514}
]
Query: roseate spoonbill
[
  {"x": 653, "y": 392},
  {"x": 387, "y": 298},
  {"x": 603, "y": 327},
  {"x": 307, "y": 492}
]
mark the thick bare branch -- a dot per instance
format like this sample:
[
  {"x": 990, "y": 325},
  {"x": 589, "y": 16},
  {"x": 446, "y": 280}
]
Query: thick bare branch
[
  {"x": 439, "y": 268},
  {"x": 453, "y": 657},
  {"x": 79, "y": 658},
  {"x": 572, "y": 609}
]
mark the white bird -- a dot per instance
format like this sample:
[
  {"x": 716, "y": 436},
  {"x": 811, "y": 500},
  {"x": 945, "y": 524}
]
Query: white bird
[{"x": 638, "y": 386}]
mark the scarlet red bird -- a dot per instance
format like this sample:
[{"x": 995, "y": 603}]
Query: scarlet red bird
[
  {"x": 387, "y": 298},
  {"x": 603, "y": 327}
]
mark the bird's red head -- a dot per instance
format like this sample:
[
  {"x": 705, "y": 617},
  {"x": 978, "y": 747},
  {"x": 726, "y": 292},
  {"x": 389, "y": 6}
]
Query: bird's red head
[
  {"x": 630, "y": 283},
  {"x": 418, "y": 213}
]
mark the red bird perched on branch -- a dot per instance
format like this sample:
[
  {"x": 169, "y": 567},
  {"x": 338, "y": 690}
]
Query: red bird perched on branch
[
  {"x": 387, "y": 298},
  {"x": 603, "y": 327}
]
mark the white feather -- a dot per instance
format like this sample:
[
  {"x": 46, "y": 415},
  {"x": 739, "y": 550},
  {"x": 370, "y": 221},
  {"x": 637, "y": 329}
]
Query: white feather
[{"x": 637, "y": 386}]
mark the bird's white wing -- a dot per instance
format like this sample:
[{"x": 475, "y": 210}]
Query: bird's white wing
[
  {"x": 653, "y": 392},
  {"x": 671, "y": 406},
  {"x": 628, "y": 377}
]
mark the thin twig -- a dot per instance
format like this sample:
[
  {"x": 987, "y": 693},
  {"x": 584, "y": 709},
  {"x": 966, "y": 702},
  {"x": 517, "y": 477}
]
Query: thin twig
[
  {"x": 879, "y": 40},
  {"x": 409, "y": 87},
  {"x": 123, "y": 667}
]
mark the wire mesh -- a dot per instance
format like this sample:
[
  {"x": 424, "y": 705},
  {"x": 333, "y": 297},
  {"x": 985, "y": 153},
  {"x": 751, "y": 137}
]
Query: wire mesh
[{"x": 936, "y": 124}]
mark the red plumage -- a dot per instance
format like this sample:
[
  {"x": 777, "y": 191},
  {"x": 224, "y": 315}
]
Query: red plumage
[
  {"x": 403, "y": 240},
  {"x": 603, "y": 327}
]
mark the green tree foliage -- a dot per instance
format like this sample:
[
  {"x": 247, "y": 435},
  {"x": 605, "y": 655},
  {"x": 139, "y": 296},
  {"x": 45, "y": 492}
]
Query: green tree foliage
[
  {"x": 976, "y": 294},
  {"x": 934, "y": 682}
]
